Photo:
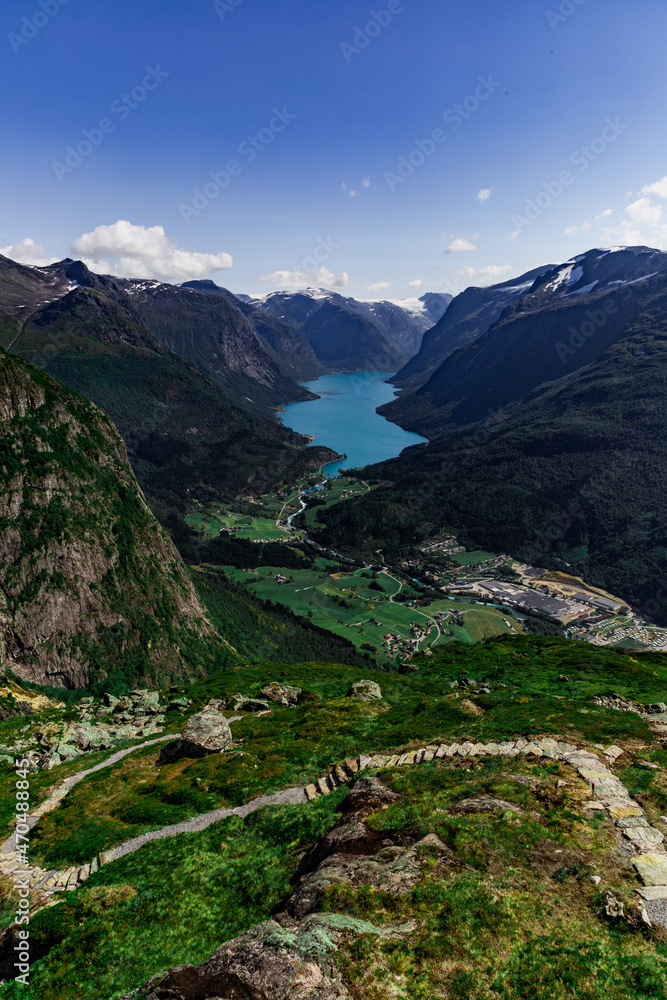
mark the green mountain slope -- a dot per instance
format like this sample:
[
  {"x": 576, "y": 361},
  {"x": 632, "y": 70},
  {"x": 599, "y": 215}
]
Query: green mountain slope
[
  {"x": 471, "y": 877},
  {"x": 183, "y": 433},
  {"x": 92, "y": 591},
  {"x": 575, "y": 478}
]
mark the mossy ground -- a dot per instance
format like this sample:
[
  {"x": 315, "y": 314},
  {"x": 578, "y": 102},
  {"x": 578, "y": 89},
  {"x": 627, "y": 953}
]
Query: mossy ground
[
  {"x": 296, "y": 745},
  {"x": 512, "y": 912},
  {"x": 515, "y": 915}
]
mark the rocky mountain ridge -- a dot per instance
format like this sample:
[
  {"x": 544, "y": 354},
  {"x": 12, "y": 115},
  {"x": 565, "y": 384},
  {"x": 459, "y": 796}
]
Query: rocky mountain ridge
[{"x": 86, "y": 572}]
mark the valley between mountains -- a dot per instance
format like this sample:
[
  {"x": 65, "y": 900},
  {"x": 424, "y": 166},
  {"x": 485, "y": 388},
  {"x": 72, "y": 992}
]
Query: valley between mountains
[{"x": 396, "y": 733}]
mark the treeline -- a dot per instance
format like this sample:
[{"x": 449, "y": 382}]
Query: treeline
[{"x": 269, "y": 631}]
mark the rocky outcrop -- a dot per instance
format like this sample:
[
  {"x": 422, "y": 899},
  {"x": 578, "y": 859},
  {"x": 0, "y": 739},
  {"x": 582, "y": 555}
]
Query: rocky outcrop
[
  {"x": 293, "y": 955},
  {"x": 205, "y": 733},
  {"x": 366, "y": 691},
  {"x": 90, "y": 586},
  {"x": 281, "y": 694}
]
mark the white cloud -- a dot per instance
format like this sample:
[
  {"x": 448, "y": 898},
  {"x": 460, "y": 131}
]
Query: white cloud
[
  {"x": 645, "y": 212},
  {"x": 322, "y": 278},
  {"x": 377, "y": 286},
  {"x": 460, "y": 245},
  {"x": 355, "y": 192},
  {"x": 644, "y": 223},
  {"x": 145, "y": 252},
  {"x": 484, "y": 194},
  {"x": 28, "y": 252},
  {"x": 417, "y": 283},
  {"x": 658, "y": 188},
  {"x": 486, "y": 275},
  {"x": 586, "y": 226}
]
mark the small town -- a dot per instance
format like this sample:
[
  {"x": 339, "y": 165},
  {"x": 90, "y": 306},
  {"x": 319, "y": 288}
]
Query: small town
[{"x": 584, "y": 612}]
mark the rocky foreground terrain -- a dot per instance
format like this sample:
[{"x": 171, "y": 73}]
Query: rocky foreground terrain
[{"x": 488, "y": 825}]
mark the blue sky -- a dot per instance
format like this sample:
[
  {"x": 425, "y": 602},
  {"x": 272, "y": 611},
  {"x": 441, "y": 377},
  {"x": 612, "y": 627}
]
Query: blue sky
[{"x": 304, "y": 110}]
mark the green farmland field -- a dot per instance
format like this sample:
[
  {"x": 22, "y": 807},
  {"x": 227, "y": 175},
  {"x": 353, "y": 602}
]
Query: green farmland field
[
  {"x": 318, "y": 594},
  {"x": 254, "y": 529}
]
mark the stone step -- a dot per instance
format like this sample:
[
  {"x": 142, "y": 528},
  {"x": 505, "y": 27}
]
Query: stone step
[
  {"x": 632, "y": 822},
  {"x": 652, "y": 868},
  {"x": 653, "y": 892},
  {"x": 640, "y": 835}
]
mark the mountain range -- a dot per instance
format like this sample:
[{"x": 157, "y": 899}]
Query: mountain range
[
  {"x": 187, "y": 421},
  {"x": 546, "y": 432},
  {"x": 348, "y": 335}
]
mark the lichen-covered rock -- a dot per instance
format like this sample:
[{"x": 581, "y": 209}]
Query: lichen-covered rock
[
  {"x": 88, "y": 737},
  {"x": 470, "y": 708},
  {"x": 209, "y": 730},
  {"x": 366, "y": 691},
  {"x": 293, "y": 956},
  {"x": 243, "y": 704},
  {"x": 268, "y": 962},
  {"x": 485, "y": 803},
  {"x": 205, "y": 733},
  {"x": 281, "y": 694}
]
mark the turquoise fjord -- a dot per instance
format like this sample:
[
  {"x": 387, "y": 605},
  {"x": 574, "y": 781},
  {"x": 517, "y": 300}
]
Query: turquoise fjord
[{"x": 344, "y": 418}]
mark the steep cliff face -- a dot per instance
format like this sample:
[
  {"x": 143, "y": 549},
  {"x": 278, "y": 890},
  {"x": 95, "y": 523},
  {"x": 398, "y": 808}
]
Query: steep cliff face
[{"x": 91, "y": 590}]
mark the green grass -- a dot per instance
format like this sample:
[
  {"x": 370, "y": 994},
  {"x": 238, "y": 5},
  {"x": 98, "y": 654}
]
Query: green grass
[
  {"x": 471, "y": 558},
  {"x": 510, "y": 917},
  {"x": 171, "y": 903},
  {"x": 254, "y": 529},
  {"x": 296, "y": 745},
  {"x": 511, "y": 914},
  {"x": 317, "y": 595}
]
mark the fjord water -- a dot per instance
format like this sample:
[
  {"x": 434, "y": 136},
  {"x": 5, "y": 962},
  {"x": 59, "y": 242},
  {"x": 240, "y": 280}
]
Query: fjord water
[{"x": 344, "y": 418}]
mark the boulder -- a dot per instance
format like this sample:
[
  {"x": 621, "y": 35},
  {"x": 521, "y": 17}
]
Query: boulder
[
  {"x": 208, "y": 729},
  {"x": 470, "y": 708},
  {"x": 281, "y": 694},
  {"x": 179, "y": 703},
  {"x": 146, "y": 702},
  {"x": 89, "y": 737},
  {"x": 485, "y": 803},
  {"x": 244, "y": 704},
  {"x": 205, "y": 733},
  {"x": 366, "y": 691}
]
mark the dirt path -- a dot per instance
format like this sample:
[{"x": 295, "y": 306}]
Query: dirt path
[
  {"x": 288, "y": 796},
  {"x": 59, "y": 793}
]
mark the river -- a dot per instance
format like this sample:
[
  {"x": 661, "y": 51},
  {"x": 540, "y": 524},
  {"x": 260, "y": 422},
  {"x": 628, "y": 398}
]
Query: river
[{"x": 344, "y": 418}]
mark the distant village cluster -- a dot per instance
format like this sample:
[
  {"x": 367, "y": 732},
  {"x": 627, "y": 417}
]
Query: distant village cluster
[{"x": 584, "y": 614}]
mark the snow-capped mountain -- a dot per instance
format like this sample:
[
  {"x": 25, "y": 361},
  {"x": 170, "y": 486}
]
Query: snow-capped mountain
[{"x": 349, "y": 334}]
